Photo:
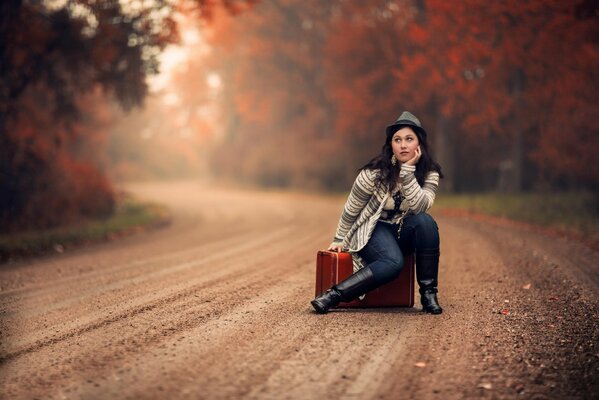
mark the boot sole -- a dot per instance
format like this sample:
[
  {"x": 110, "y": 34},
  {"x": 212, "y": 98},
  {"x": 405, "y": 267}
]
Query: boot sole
[{"x": 318, "y": 308}]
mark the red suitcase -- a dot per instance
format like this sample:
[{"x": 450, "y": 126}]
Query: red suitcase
[{"x": 333, "y": 267}]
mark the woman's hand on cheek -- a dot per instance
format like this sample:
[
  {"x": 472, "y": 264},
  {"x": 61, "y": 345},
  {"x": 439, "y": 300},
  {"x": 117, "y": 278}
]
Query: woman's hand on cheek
[{"x": 414, "y": 160}]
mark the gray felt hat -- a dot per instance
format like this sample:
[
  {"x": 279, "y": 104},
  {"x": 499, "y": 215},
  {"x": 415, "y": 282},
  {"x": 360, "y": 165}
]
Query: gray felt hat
[{"x": 406, "y": 119}]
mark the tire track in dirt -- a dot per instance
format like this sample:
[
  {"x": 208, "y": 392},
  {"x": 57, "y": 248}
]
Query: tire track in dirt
[
  {"x": 87, "y": 285},
  {"x": 227, "y": 235},
  {"x": 500, "y": 337},
  {"x": 269, "y": 253},
  {"x": 250, "y": 345},
  {"x": 181, "y": 321},
  {"x": 8, "y": 296},
  {"x": 246, "y": 243},
  {"x": 213, "y": 278}
]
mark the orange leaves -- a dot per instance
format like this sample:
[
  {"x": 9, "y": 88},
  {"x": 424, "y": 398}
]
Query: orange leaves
[
  {"x": 342, "y": 70},
  {"x": 418, "y": 35},
  {"x": 254, "y": 107}
]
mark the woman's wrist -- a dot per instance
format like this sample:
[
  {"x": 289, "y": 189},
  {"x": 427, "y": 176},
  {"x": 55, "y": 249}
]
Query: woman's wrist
[
  {"x": 407, "y": 168},
  {"x": 406, "y": 172}
]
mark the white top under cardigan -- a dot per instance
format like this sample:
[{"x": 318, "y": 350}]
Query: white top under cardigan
[{"x": 366, "y": 201}]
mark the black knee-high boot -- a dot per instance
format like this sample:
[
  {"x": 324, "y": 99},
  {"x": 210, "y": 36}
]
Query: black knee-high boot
[
  {"x": 427, "y": 270},
  {"x": 359, "y": 283}
]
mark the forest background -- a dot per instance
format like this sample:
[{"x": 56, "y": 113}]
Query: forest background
[{"x": 288, "y": 93}]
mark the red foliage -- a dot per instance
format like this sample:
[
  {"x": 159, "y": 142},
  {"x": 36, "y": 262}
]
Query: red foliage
[
  {"x": 496, "y": 84},
  {"x": 60, "y": 181},
  {"x": 62, "y": 67},
  {"x": 67, "y": 192}
]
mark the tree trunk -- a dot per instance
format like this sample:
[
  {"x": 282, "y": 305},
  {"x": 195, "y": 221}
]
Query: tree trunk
[
  {"x": 444, "y": 151},
  {"x": 511, "y": 169}
]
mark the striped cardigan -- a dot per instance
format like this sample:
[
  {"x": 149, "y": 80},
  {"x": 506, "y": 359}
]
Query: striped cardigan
[{"x": 365, "y": 204}]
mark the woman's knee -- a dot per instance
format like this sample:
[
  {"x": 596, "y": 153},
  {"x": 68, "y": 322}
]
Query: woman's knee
[
  {"x": 396, "y": 264},
  {"x": 427, "y": 231},
  {"x": 424, "y": 220},
  {"x": 386, "y": 269}
]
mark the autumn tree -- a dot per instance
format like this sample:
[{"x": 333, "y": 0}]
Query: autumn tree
[
  {"x": 483, "y": 77},
  {"x": 53, "y": 62},
  {"x": 278, "y": 126},
  {"x": 490, "y": 73},
  {"x": 305, "y": 90},
  {"x": 60, "y": 63}
]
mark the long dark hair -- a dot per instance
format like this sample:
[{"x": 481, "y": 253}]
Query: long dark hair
[{"x": 389, "y": 172}]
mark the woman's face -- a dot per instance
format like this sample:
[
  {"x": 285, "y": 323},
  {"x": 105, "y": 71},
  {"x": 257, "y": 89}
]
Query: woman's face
[{"x": 404, "y": 143}]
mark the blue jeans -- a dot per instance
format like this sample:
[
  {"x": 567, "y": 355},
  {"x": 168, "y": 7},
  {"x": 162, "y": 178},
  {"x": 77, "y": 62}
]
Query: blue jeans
[{"x": 384, "y": 252}]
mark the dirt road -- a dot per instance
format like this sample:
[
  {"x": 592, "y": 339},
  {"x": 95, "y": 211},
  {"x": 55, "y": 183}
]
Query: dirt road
[{"x": 216, "y": 306}]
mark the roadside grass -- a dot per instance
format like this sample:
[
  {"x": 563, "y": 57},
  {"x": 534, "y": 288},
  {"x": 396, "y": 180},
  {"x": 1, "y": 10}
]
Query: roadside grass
[
  {"x": 575, "y": 214},
  {"x": 130, "y": 216}
]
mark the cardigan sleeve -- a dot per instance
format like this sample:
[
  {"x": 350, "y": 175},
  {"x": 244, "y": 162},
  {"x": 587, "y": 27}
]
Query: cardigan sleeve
[
  {"x": 359, "y": 196},
  {"x": 419, "y": 199}
]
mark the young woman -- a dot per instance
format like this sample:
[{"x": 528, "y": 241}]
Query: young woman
[{"x": 385, "y": 218}]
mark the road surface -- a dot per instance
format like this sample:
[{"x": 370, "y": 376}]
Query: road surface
[{"x": 216, "y": 306}]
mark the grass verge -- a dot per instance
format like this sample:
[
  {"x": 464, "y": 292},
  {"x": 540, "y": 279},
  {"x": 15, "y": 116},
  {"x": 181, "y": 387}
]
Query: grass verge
[
  {"x": 572, "y": 214},
  {"x": 130, "y": 216}
]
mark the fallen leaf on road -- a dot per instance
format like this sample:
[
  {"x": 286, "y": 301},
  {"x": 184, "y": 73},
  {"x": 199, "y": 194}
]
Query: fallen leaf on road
[
  {"x": 527, "y": 286},
  {"x": 485, "y": 385},
  {"x": 420, "y": 364}
]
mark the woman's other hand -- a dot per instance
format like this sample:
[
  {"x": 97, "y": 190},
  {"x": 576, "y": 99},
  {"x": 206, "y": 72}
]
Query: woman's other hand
[
  {"x": 337, "y": 247},
  {"x": 414, "y": 160}
]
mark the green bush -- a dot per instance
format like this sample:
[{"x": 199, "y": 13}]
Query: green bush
[
  {"x": 576, "y": 213},
  {"x": 129, "y": 216}
]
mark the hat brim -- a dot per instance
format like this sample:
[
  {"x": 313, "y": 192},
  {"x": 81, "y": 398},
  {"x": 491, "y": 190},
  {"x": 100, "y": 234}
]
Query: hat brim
[{"x": 391, "y": 129}]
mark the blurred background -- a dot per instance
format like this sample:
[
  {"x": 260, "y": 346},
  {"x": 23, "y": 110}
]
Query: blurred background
[{"x": 290, "y": 94}]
